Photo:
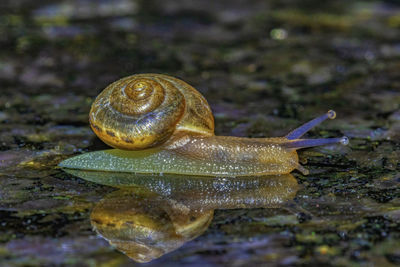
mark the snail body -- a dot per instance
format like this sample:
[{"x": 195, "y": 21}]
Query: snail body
[{"x": 160, "y": 124}]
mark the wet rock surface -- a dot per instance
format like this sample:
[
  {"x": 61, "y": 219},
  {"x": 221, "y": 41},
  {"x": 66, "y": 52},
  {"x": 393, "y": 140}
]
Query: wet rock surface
[{"x": 265, "y": 67}]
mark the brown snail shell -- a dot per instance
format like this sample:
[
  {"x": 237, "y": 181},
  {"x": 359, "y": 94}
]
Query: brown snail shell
[{"x": 145, "y": 110}]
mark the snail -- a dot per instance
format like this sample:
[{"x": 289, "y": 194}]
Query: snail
[{"x": 160, "y": 124}]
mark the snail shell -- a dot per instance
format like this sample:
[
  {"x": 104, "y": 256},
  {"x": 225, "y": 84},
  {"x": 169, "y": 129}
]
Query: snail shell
[{"x": 145, "y": 110}]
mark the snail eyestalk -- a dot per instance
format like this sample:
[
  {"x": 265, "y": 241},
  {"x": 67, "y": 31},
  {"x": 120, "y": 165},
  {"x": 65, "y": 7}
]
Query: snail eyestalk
[
  {"x": 303, "y": 143},
  {"x": 299, "y": 132}
]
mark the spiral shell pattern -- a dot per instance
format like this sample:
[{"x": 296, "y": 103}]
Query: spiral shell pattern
[{"x": 145, "y": 110}]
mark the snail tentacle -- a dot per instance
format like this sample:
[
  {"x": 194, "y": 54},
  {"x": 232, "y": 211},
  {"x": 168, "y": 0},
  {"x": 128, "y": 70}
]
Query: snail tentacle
[
  {"x": 300, "y": 131},
  {"x": 303, "y": 143}
]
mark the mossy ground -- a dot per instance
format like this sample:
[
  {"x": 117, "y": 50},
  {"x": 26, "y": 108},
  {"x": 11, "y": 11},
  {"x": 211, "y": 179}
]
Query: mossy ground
[{"x": 264, "y": 66}]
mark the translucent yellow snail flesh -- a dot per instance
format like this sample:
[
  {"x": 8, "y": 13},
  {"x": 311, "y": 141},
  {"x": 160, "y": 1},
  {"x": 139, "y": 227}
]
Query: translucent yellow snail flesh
[{"x": 160, "y": 124}]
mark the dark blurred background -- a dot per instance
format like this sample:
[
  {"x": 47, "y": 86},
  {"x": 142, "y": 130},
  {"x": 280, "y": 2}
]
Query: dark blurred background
[
  {"x": 264, "y": 66},
  {"x": 246, "y": 53}
]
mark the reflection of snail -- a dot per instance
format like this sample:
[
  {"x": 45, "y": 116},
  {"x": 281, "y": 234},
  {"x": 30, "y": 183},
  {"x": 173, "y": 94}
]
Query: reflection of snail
[
  {"x": 168, "y": 127},
  {"x": 144, "y": 225},
  {"x": 149, "y": 219}
]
